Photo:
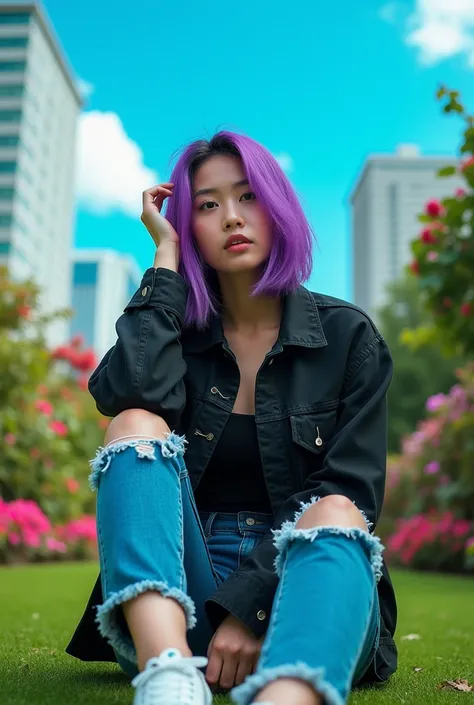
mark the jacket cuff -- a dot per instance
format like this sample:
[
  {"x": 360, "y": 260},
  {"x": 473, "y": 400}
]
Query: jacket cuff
[
  {"x": 232, "y": 597},
  {"x": 163, "y": 288}
]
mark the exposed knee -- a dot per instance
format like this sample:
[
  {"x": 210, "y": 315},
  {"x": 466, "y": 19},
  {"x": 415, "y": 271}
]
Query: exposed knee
[
  {"x": 333, "y": 510},
  {"x": 136, "y": 422}
]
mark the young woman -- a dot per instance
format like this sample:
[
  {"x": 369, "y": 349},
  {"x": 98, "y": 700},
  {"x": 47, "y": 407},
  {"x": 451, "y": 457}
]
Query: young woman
[{"x": 243, "y": 471}]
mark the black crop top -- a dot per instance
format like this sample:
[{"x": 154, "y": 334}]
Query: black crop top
[{"x": 233, "y": 480}]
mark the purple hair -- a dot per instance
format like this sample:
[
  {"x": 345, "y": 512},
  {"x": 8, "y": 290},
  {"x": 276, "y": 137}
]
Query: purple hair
[{"x": 290, "y": 260}]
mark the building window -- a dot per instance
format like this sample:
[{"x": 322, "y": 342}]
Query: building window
[
  {"x": 9, "y": 140},
  {"x": 7, "y": 167},
  {"x": 4, "y": 248},
  {"x": 6, "y": 193},
  {"x": 85, "y": 273},
  {"x": 12, "y": 90},
  {"x": 393, "y": 230},
  {"x": 10, "y": 115},
  {"x": 12, "y": 65},
  {"x": 7, "y": 42},
  {"x": 14, "y": 18},
  {"x": 5, "y": 220}
]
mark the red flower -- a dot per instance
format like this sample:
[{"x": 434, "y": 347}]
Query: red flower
[
  {"x": 86, "y": 361},
  {"x": 460, "y": 193},
  {"x": 83, "y": 382},
  {"x": 434, "y": 208},
  {"x": 415, "y": 267},
  {"x": 468, "y": 163},
  {"x": 10, "y": 439},
  {"x": 24, "y": 311},
  {"x": 45, "y": 407},
  {"x": 72, "y": 485},
  {"x": 58, "y": 427},
  {"x": 77, "y": 341},
  {"x": 427, "y": 237},
  {"x": 466, "y": 309},
  {"x": 61, "y": 353}
]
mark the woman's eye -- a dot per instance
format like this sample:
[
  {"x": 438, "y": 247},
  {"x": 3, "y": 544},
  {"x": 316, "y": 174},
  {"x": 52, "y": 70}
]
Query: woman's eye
[
  {"x": 207, "y": 206},
  {"x": 249, "y": 196}
]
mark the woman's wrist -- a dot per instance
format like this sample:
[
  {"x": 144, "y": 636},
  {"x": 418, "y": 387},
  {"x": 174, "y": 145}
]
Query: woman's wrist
[{"x": 167, "y": 256}]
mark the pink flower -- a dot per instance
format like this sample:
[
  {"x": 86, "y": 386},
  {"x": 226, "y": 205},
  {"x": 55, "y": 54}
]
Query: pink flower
[
  {"x": 470, "y": 542},
  {"x": 434, "y": 208},
  {"x": 435, "y": 402},
  {"x": 460, "y": 193},
  {"x": 10, "y": 439},
  {"x": 432, "y": 468},
  {"x": 56, "y": 546},
  {"x": 72, "y": 485},
  {"x": 14, "y": 538},
  {"x": 78, "y": 529},
  {"x": 58, "y": 427},
  {"x": 427, "y": 237},
  {"x": 31, "y": 539},
  {"x": 432, "y": 256},
  {"x": 443, "y": 480},
  {"x": 45, "y": 407}
]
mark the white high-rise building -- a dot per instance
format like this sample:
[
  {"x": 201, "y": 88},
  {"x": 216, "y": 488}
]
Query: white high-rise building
[
  {"x": 388, "y": 197},
  {"x": 104, "y": 281},
  {"x": 39, "y": 106}
]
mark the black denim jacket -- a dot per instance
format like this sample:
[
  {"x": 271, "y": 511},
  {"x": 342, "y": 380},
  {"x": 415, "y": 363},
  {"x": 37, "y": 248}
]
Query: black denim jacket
[{"x": 326, "y": 377}]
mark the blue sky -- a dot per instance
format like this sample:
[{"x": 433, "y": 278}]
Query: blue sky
[{"x": 322, "y": 84}]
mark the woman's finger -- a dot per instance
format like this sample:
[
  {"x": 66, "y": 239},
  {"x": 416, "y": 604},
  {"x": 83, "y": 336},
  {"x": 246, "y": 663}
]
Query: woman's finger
[
  {"x": 214, "y": 667},
  {"x": 157, "y": 194},
  {"x": 244, "y": 669},
  {"x": 228, "y": 673}
]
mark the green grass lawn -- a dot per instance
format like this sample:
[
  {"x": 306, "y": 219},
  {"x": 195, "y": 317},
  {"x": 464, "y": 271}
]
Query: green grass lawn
[{"x": 40, "y": 605}]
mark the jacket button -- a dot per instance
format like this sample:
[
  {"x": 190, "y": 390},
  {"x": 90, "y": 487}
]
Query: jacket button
[
  {"x": 144, "y": 291},
  {"x": 271, "y": 362},
  {"x": 210, "y": 437},
  {"x": 250, "y": 521},
  {"x": 261, "y": 615}
]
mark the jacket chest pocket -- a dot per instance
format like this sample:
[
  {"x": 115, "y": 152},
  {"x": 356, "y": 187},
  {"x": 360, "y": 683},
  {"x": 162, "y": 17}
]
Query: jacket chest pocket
[{"x": 311, "y": 433}]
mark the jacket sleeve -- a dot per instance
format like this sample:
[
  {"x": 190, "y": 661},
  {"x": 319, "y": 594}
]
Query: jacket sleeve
[
  {"x": 145, "y": 368},
  {"x": 354, "y": 466}
]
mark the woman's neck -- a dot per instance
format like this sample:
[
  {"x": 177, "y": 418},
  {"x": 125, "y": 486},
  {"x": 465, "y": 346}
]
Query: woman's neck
[{"x": 246, "y": 314}]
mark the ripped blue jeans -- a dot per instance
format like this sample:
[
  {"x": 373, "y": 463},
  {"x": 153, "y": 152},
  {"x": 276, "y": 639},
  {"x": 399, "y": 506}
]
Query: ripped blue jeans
[{"x": 324, "y": 626}]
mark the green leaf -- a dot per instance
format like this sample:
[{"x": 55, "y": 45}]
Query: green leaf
[{"x": 447, "y": 171}]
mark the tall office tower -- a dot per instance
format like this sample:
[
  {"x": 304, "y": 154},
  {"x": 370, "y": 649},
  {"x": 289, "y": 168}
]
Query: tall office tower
[
  {"x": 104, "y": 281},
  {"x": 39, "y": 106},
  {"x": 388, "y": 196}
]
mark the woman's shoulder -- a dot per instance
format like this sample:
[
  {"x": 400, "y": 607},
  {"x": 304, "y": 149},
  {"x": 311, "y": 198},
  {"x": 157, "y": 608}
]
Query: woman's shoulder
[{"x": 338, "y": 313}]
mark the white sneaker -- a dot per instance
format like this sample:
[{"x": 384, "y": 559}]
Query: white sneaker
[{"x": 172, "y": 679}]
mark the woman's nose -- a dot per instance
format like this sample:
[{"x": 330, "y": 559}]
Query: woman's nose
[{"x": 233, "y": 220}]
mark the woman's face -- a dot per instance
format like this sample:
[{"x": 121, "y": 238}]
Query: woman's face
[{"x": 225, "y": 211}]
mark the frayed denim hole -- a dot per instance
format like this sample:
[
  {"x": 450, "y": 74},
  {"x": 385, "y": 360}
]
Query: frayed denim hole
[
  {"x": 173, "y": 446},
  {"x": 284, "y": 537}
]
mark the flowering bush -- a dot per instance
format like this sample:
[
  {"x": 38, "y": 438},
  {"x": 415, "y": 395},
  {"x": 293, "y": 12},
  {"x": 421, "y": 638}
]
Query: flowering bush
[
  {"x": 432, "y": 541},
  {"x": 444, "y": 251},
  {"x": 26, "y": 534},
  {"x": 433, "y": 479},
  {"x": 49, "y": 426}
]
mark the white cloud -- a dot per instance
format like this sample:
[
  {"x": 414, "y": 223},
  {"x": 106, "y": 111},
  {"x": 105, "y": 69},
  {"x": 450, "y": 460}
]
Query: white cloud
[
  {"x": 285, "y": 161},
  {"x": 440, "y": 29},
  {"x": 111, "y": 172},
  {"x": 85, "y": 88}
]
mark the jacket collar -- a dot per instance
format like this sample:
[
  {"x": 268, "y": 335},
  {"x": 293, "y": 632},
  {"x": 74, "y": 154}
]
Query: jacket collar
[{"x": 300, "y": 325}]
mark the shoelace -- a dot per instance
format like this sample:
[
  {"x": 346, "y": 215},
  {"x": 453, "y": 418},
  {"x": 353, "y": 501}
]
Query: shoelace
[{"x": 180, "y": 680}]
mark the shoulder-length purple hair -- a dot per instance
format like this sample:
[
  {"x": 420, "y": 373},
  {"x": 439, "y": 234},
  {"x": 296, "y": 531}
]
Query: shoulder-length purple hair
[{"x": 290, "y": 260}]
